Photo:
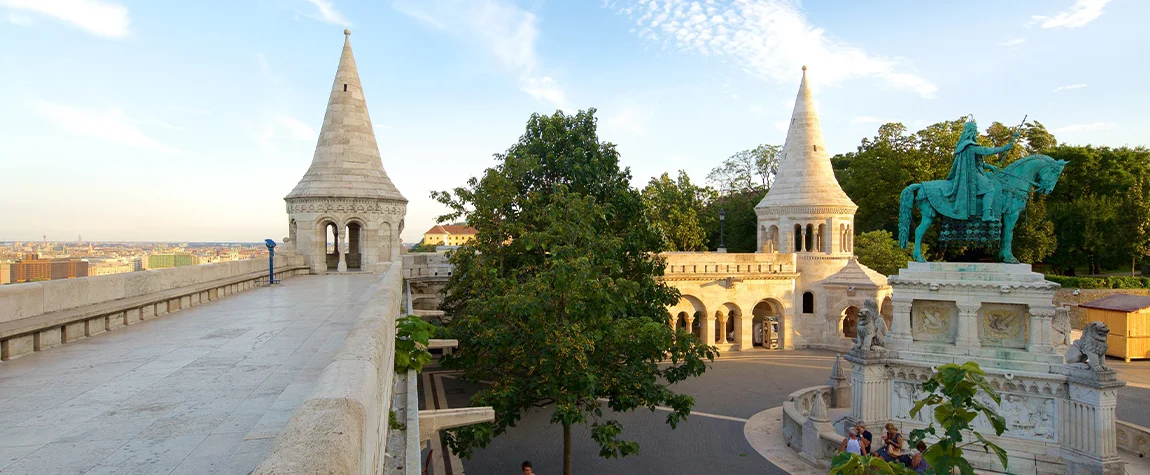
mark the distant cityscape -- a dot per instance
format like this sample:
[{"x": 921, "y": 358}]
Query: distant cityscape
[{"x": 35, "y": 261}]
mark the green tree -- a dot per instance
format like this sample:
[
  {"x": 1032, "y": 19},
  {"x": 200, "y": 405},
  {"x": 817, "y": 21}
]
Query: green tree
[
  {"x": 1034, "y": 238},
  {"x": 952, "y": 390},
  {"x": 1136, "y": 220},
  {"x": 677, "y": 208},
  {"x": 753, "y": 169},
  {"x": 739, "y": 232},
  {"x": 557, "y": 301},
  {"x": 879, "y": 250},
  {"x": 421, "y": 247}
]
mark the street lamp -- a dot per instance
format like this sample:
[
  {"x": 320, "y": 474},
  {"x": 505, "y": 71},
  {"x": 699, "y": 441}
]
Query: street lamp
[{"x": 722, "y": 230}]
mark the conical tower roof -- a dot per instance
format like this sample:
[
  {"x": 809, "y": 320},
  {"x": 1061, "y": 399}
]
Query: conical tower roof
[
  {"x": 805, "y": 176},
  {"x": 346, "y": 163}
]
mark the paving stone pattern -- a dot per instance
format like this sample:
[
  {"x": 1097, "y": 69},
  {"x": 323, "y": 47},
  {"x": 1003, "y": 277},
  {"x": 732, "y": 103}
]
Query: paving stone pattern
[{"x": 203, "y": 391}]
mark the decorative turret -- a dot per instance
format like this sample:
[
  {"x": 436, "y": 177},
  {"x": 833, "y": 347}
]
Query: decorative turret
[
  {"x": 805, "y": 175},
  {"x": 345, "y": 194},
  {"x": 346, "y": 163}
]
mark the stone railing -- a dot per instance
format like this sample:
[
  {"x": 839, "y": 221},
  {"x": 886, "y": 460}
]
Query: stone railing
[
  {"x": 1133, "y": 438},
  {"x": 343, "y": 425},
  {"x": 426, "y": 264},
  {"x": 688, "y": 265},
  {"x": 822, "y": 442},
  {"x": 39, "y": 315}
]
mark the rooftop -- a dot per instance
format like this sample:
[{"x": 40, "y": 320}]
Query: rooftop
[{"x": 1120, "y": 303}]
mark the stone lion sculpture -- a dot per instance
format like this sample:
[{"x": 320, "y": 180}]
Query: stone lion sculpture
[
  {"x": 1090, "y": 349},
  {"x": 871, "y": 328}
]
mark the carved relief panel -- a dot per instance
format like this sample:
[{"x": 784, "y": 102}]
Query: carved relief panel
[
  {"x": 933, "y": 321},
  {"x": 1003, "y": 325}
]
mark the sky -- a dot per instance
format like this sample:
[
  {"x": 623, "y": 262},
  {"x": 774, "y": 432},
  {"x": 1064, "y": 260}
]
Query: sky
[{"x": 191, "y": 120}]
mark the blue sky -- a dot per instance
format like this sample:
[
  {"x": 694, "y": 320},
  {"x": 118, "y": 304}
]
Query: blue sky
[{"x": 181, "y": 120}]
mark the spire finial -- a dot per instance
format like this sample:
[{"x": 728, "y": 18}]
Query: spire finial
[
  {"x": 347, "y": 32},
  {"x": 804, "y": 66}
]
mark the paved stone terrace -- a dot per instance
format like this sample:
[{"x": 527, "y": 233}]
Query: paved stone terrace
[{"x": 204, "y": 390}]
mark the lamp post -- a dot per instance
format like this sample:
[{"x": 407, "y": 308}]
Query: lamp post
[
  {"x": 271, "y": 260},
  {"x": 722, "y": 230}
]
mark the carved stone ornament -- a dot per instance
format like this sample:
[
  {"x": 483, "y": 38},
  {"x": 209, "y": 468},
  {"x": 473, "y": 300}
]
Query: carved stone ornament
[
  {"x": 1089, "y": 351},
  {"x": 871, "y": 328}
]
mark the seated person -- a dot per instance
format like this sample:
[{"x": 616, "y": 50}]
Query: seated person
[
  {"x": 892, "y": 442},
  {"x": 917, "y": 462},
  {"x": 853, "y": 443},
  {"x": 865, "y": 435}
]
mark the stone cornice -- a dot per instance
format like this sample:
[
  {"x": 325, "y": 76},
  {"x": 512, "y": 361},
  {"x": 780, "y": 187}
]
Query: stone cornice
[
  {"x": 718, "y": 277},
  {"x": 346, "y": 205},
  {"x": 1037, "y": 288},
  {"x": 786, "y": 211}
]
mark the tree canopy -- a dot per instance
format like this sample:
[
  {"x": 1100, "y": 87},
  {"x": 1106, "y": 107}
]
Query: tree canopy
[
  {"x": 678, "y": 208},
  {"x": 879, "y": 250},
  {"x": 557, "y": 302}
]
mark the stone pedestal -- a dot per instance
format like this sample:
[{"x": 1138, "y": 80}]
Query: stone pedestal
[
  {"x": 1090, "y": 444},
  {"x": 870, "y": 388},
  {"x": 840, "y": 385}
]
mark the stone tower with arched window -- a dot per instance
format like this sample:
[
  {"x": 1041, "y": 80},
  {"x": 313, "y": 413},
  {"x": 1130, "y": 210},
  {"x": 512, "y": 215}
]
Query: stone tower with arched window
[
  {"x": 346, "y": 194},
  {"x": 807, "y": 213}
]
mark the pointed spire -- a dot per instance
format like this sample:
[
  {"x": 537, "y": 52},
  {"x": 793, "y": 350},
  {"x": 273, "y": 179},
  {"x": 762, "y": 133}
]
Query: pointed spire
[
  {"x": 836, "y": 371},
  {"x": 819, "y": 409},
  {"x": 346, "y": 163},
  {"x": 805, "y": 175}
]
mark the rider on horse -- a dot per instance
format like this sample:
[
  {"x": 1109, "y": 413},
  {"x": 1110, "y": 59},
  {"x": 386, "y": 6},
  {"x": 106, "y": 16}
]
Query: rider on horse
[{"x": 968, "y": 179}]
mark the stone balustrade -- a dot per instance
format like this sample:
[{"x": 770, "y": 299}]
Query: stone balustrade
[
  {"x": 686, "y": 265},
  {"x": 1133, "y": 438},
  {"x": 343, "y": 425},
  {"x": 796, "y": 424},
  {"x": 39, "y": 315}
]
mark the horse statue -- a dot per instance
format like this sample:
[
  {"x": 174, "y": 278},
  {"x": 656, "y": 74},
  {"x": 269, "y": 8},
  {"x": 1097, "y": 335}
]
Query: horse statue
[{"x": 1009, "y": 191}]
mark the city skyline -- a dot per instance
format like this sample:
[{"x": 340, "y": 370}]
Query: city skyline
[{"x": 173, "y": 123}]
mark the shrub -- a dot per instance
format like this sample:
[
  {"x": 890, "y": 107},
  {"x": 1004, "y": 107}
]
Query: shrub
[{"x": 411, "y": 337}]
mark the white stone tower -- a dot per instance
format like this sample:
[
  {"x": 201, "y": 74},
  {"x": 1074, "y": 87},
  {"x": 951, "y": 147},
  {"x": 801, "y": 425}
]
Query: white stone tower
[
  {"x": 806, "y": 212},
  {"x": 346, "y": 193}
]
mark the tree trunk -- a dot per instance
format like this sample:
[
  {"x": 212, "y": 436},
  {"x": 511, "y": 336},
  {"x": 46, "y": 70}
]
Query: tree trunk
[{"x": 566, "y": 449}]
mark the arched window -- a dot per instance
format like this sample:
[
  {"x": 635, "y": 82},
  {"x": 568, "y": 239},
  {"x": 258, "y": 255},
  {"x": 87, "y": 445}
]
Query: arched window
[
  {"x": 798, "y": 238},
  {"x": 773, "y": 238},
  {"x": 808, "y": 302},
  {"x": 810, "y": 238}
]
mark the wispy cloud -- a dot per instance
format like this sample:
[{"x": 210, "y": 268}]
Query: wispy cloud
[
  {"x": 1079, "y": 14},
  {"x": 98, "y": 17},
  {"x": 1069, "y": 129},
  {"x": 505, "y": 30},
  {"x": 770, "y": 39},
  {"x": 327, "y": 13},
  {"x": 108, "y": 124},
  {"x": 19, "y": 20},
  {"x": 1072, "y": 86},
  {"x": 1012, "y": 42},
  {"x": 628, "y": 121}
]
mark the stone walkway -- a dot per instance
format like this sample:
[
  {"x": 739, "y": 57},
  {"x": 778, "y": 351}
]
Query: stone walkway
[{"x": 204, "y": 390}]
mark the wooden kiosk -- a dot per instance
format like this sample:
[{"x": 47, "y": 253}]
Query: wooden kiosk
[{"x": 1128, "y": 317}]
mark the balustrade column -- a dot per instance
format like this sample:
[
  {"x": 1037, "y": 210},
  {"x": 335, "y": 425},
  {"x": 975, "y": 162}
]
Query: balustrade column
[
  {"x": 967, "y": 326},
  {"x": 1040, "y": 321},
  {"x": 340, "y": 249},
  {"x": 900, "y": 332}
]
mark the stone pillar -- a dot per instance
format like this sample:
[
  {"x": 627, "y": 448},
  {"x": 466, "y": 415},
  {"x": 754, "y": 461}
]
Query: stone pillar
[
  {"x": 803, "y": 238},
  {"x": 840, "y": 385},
  {"x": 340, "y": 249},
  {"x": 744, "y": 335},
  {"x": 870, "y": 390},
  {"x": 1040, "y": 323},
  {"x": 900, "y": 336},
  {"x": 709, "y": 329},
  {"x": 690, "y": 324},
  {"x": 787, "y": 329},
  {"x": 967, "y": 326},
  {"x": 1087, "y": 432}
]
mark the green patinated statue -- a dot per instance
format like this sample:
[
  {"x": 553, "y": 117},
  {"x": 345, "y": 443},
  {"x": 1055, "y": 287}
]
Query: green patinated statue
[{"x": 978, "y": 204}]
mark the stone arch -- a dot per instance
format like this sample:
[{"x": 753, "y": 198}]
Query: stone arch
[
  {"x": 328, "y": 242},
  {"x": 765, "y": 323},
  {"x": 808, "y": 302},
  {"x": 809, "y": 239},
  {"x": 798, "y": 238},
  {"x": 848, "y": 322},
  {"x": 358, "y": 240},
  {"x": 732, "y": 327},
  {"x": 384, "y": 247},
  {"x": 292, "y": 231},
  {"x": 681, "y": 322},
  {"x": 772, "y": 239}
]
